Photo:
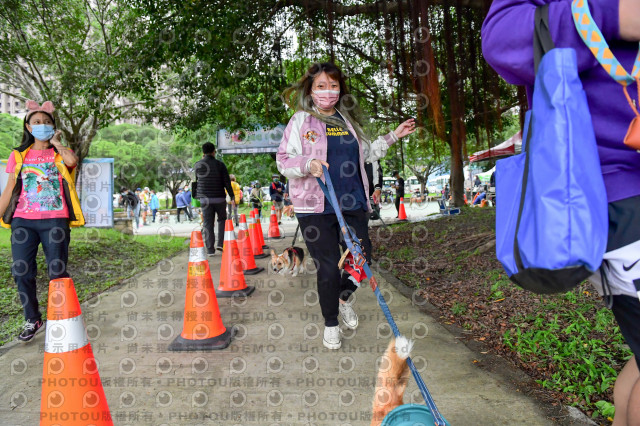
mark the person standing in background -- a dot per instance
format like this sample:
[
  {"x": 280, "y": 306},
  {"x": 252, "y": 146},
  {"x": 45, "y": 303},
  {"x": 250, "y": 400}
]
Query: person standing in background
[
  {"x": 154, "y": 205},
  {"x": 232, "y": 208},
  {"x": 136, "y": 211},
  {"x": 187, "y": 200},
  {"x": 399, "y": 185},
  {"x": 145, "y": 197},
  {"x": 130, "y": 201},
  {"x": 181, "y": 205},
  {"x": 213, "y": 180},
  {"x": 255, "y": 197},
  {"x": 276, "y": 192}
]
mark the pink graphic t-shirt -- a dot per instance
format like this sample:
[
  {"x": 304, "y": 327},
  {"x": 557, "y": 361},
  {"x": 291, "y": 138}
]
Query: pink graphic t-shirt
[{"x": 41, "y": 196}]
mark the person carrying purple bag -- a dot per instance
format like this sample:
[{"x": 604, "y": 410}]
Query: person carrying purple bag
[{"x": 507, "y": 43}]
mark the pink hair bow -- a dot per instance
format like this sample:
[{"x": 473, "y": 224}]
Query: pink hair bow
[{"x": 33, "y": 106}]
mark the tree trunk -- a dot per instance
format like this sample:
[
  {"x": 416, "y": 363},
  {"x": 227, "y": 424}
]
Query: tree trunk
[{"x": 457, "y": 114}]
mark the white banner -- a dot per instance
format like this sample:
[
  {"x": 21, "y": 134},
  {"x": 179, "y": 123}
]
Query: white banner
[
  {"x": 250, "y": 142},
  {"x": 96, "y": 192}
]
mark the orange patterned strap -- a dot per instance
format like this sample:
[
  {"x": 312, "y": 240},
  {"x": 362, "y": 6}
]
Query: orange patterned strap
[{"x": 593, "y": 38}]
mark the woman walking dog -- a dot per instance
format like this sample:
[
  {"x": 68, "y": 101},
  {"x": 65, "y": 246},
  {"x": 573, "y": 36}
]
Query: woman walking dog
[{"x": 325, "y": 130}]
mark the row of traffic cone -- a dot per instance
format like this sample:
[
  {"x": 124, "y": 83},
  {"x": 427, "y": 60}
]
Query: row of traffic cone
[
  {"x": 72, "y": 390},
  {"x": 201, "y": 301}
]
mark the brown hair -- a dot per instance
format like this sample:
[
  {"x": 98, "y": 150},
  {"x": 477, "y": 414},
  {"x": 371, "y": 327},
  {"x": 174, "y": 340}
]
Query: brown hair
[{"x": 298, "y": 97}]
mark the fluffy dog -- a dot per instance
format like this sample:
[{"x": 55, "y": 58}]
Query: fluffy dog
[
  {"x": 291, "y": 260},
  {"x": 393, "y": 376}
]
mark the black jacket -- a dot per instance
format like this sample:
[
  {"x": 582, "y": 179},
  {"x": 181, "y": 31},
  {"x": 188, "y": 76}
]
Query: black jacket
[
  {"x": 213, "y": 178},
  {"x": 130, "y": 199}
]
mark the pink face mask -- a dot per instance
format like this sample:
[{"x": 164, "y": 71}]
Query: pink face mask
[{"x": 325, "y": 99}]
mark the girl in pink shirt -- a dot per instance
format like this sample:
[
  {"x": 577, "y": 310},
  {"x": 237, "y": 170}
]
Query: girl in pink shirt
[{"x": 38, "y": 203}]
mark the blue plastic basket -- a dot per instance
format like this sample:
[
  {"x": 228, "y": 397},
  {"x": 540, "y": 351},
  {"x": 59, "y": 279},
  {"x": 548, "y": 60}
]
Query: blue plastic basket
[{"x": 410, "y": 415}]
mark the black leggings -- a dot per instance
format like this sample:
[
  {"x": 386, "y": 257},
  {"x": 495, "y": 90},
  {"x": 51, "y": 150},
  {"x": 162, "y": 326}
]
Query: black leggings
[{"x": 323, "y": 237}]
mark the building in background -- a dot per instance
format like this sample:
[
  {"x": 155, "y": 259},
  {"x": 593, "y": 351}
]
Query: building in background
[{"x": 9, "y": 104}]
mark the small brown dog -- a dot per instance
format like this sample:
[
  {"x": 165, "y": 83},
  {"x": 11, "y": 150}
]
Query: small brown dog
[
  {"x": 393, "y": 376},
  {"x": 291, "y": 260}
]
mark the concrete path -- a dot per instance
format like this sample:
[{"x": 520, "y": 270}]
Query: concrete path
[{"x": 276, "y": 371}]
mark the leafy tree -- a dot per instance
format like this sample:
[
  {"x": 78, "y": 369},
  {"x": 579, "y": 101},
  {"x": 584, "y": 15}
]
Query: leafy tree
[
  {"x": 78, "y": 54},
  {"x": 10, "y": 134}
]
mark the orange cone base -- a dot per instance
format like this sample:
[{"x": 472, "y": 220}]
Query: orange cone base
[
  {"x": 279, "y": 237},
  {"x": 253, "y": 271},
  {"x": 260, "y": 256},
  {"x": 265, "y": 247},
  {"x": 236, "y": 293},
  {"x": 180, "y": 344}
]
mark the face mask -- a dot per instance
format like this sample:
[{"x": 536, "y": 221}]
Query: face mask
[
  {"x": 325, "y": 99},
  {"x": 42, "y": 132}
]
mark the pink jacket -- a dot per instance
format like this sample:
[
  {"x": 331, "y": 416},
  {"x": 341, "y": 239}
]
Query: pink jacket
[{"x": 305, "y": 139}]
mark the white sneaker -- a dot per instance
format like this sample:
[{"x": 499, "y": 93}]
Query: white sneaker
[
  {"x": 349, "y": 316},
  {"x": 331, "y": 337}
]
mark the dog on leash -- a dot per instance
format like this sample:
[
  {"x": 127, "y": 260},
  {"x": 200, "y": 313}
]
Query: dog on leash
[
  {"x": 291, "y": 260},
  {"x": 393, "y": 376}
]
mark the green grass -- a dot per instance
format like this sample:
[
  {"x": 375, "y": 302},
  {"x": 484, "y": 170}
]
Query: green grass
[
  {"x": 404, "y": 254},
  {"x": 582, "y": 365},
  {"x": 459, "y": 309},
  {"x": 98, "y": 259}
]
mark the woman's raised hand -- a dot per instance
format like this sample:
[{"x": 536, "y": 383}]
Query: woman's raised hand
[
  {"x": 315, "y": 167},
  {"x": 406, "y": 128}
]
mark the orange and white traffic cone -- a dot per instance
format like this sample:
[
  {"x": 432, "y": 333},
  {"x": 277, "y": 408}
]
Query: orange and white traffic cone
[
  {"x": 260, "y": 234},
  {"x": 202, "y": 329},
  {"x": 246, "y": 251},
  {"x": 72, "y": 392},
  {"x": 258, "y": 253},
  {"x": 232, "y": 281},
  {"x": 274, "y": 231},
  {"x": 402, "y": 214}
]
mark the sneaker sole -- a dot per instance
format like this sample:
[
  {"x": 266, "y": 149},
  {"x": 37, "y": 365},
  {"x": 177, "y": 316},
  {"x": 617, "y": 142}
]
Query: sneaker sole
[{"x": 331, "y": 345}]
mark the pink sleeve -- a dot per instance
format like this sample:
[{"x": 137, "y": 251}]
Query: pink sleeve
[{"x": 11, "y": 163}]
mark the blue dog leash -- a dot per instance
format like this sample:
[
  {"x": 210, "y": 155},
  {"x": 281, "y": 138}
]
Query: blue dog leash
[{"x": 353, "y": 244}]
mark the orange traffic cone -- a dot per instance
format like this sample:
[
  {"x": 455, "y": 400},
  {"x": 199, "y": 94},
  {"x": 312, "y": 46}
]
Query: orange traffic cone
[
  {"x": 260, "y": 234},
  {"x": 274, "y": 232},
  {"x": 258, "y": 253},
  {"x": 72, "y": 392},
  {"x": 246, "y": 251},
  {"x": 231, "y": 277},
  {"x": 402, "y": 215},
  {"x": 202, "y": 329}
]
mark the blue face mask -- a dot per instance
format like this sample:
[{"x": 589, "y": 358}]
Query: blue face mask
[{"x": 42, "y": 132}]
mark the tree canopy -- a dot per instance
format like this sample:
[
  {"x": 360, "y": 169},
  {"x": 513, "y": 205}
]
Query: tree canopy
[
  {"x": 79, "y": 55},
  {"x": 403, "y": 59}
]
